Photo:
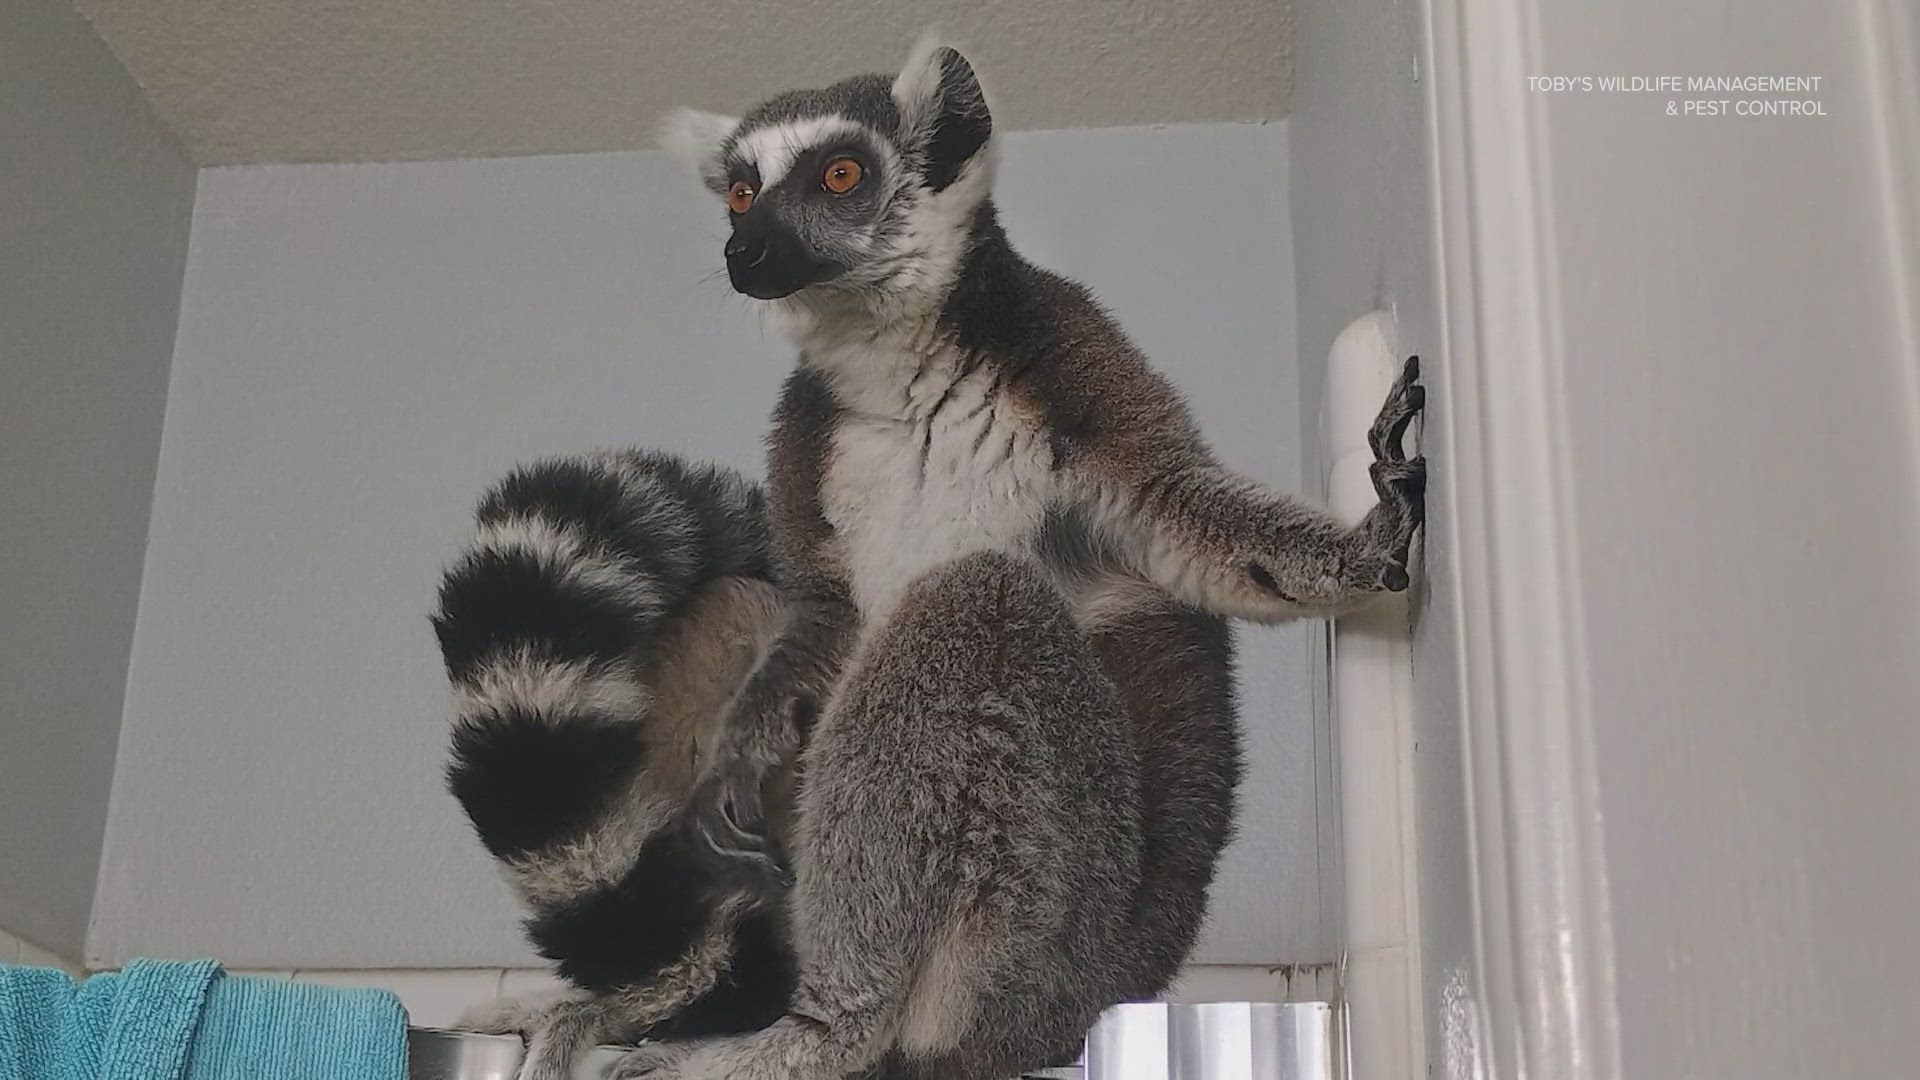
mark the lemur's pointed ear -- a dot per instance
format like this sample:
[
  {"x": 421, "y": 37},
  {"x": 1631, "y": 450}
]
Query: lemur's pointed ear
[
  {"x": 943, "y": 111},
  {"x": 699, "y": 139}
]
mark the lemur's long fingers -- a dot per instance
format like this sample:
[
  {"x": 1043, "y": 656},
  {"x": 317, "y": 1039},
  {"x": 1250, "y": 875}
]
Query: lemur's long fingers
[
  {"x": 1401, "y": 487},
  {"x": 1413, "y": 488},
  {"x": 1395, "y": 446},
  {"x": 1404, "y": 402},
  {"x": 1403, "y": 484}
]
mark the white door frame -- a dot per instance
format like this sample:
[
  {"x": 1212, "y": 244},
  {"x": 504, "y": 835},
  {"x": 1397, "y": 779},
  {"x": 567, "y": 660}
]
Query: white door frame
[
  {"x": 1545, "y": 991},
  {"x": 1542, "y": 992},
  {"x": 1542, "y": 935}
]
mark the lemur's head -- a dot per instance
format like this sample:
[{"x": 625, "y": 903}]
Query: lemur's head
[{"x": 866, "y": 187}]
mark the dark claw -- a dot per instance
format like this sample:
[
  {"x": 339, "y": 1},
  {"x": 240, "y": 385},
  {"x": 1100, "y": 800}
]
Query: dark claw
[{"x": 1395, "y": 578}]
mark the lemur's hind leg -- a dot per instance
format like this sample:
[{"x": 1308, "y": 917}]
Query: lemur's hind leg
[{"x": 966, "y": 851}]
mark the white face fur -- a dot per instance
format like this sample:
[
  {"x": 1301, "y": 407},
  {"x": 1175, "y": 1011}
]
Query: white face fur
[{"x": 862, "y": 191}]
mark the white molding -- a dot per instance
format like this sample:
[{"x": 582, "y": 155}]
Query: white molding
[
  {"x": 1371, "y": 716},
  {"x": 1547, "y": 1005}
]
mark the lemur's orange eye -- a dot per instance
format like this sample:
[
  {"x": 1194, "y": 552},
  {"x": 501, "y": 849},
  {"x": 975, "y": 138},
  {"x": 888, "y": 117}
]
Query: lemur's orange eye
[
  {"x": 842, "y": 175},
  {"x": 740, "y": 196}
]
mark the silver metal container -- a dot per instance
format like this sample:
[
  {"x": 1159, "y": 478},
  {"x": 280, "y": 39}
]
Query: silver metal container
[
  {"x": 1229, "y": 1040},
  {"x": 433, "y": 1054}
]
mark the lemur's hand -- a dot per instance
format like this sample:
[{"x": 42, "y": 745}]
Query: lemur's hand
[
  {"x": 727, "y": 809},
  {"x": 1400, "y": 482},
  {"x": 1332, "y": 571}
]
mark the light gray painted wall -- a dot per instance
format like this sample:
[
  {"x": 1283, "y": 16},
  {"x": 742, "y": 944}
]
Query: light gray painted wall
[
  {"x": 363, "y": 348},
  {"x": 1363, "y": 242},
  {"x": 1744, "y": 407},
  {"x": 95, "y": 201}
]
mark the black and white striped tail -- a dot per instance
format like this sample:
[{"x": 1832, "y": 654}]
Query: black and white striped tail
[{"x": 552, "y": 624}]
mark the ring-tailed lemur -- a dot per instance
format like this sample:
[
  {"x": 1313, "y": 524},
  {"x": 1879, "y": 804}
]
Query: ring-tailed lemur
[
  {"x": 1007, "y": 554},
  {"x": 594, "y": 631}
]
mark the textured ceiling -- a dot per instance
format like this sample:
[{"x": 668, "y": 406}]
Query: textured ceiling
[{"x": 375, "y": 80}]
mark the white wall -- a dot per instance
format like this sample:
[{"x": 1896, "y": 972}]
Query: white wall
[
  {"x": 363, "y": 348},
  {"x": 1736, "y": 331},
  {"x": 94, "y": 209}
]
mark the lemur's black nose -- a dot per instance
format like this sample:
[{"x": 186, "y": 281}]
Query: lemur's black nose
[
  {"x": 766, "y": 259},
  {"x": 747, "y": 249}
]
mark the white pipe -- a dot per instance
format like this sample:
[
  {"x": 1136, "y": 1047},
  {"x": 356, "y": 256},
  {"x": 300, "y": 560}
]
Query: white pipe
[{"x": 1371, "y": 693}]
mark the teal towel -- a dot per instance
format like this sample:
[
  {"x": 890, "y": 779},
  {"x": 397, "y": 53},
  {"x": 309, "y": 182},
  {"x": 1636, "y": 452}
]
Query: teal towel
[
  {"x": 188, "y": 1020},
  {"x": 256, "y": 1028}
]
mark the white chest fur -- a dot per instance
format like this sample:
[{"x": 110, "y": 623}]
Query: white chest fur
[{"x": 927, "y": 465}]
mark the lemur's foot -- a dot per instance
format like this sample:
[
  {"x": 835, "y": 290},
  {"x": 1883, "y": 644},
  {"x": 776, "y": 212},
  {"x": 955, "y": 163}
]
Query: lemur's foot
[
  {"x": 524, "y": 1016},
  {"x": 1403, "y": 403}
]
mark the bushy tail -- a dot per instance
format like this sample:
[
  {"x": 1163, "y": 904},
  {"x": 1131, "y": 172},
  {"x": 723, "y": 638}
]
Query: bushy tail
[{"x": 606, "y": 610}]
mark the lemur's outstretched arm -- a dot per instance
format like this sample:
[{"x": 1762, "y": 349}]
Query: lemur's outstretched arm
[{"x": 1228, "y": 544}]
